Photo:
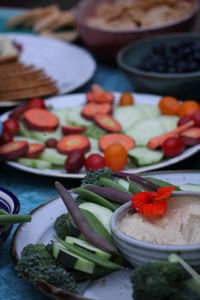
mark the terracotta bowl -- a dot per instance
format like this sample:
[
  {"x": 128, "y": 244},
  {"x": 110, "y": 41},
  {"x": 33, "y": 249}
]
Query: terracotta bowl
[{"x": 106, "y": 43}]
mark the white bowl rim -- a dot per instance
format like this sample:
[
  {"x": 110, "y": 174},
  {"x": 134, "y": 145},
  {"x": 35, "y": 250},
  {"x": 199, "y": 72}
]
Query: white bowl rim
[{"x": 146, "y": 245}]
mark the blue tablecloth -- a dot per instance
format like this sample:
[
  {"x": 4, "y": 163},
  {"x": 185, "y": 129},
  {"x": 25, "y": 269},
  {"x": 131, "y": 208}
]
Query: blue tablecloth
[{"x": 33, "y": 190}]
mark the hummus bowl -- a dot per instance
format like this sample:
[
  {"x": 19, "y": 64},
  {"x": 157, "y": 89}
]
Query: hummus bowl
[{"x": 138, "y": 252}]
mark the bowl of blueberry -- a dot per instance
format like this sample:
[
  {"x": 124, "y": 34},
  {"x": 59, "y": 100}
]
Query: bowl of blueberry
[{"x": 167, "y": 65}]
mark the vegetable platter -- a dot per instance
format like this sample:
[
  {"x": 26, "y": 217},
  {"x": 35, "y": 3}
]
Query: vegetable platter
[
  {"x": 98, "y": 273},
  {"x": 137, "y": 125}
]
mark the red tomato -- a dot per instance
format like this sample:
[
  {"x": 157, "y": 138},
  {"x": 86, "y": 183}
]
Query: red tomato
[
  {"x": 172, "y": 147},
  {"x": 51, "y": 143},
  {"x": 184, "y": 120},
  {"x": 94, "y": 162},
  {"x": 11, "y": 126},
  {"x": 6, "y": 137},
  {"x": 36, "y": 103},
  {"x": 75, "y": 161},
  {"x": 196, "y": 118}
]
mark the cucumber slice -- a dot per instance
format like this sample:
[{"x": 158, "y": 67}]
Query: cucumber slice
[
  {"x": 71, "y": 260},
  {"x": 75, "y": 117},
  {"x": 61, "y": 115},
  {"x": 26, "y": 139},
  {"x": 150, "y": 111},
  {"x": 89, "y": 247},
  {"x": 127, "y": 116},
  {"x": 94, "y": 132},
  {"x": 44, "y": 136},
  {"x": 103, "y": 214},
  {"x": 35, "y": 163},
  {"x": 52, "y": 156},
  {"x": 168, "y": 122},
  {"x": 144, "y": 130},
  {"x": 144, "y": 156},
  {"x": 190, "y": 187},
  {"x": 24, "y": 131},
  {"x": 124, "y": 183},
  {"x": 94, "y": 144}
]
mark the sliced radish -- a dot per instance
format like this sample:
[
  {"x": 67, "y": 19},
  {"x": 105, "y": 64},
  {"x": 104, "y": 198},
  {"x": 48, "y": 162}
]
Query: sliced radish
[
  {"x": 191, "y": 136},
  {"x": 72, "y": 129},
  {"x": 73, "y": 142},
  {"x": 34, "y": 150},
  {"x": 13, "y": 150},
  {"x": 112, "y": 138},
  {"x": 91, "y": 110},
  {"x": 40, "y": 119},
  {"x": 107, "y": 123}
]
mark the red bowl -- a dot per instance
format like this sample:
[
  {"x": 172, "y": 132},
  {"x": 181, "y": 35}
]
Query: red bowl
[{"x": 106, "y": 43}]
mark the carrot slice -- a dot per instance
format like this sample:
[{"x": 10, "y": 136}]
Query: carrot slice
[
  {"x": 34, "y": 150},
  {"x": 108, "y": 123},
  {"x": 13, "y": 150},
  {"x": 159, "y": 140},
  {"x": 191, "y": 136},
  {"x": 90, "y": 110},
  {"x": 72, "y": 142},
  {"x": 112, "y": 138},
  {"x": 40, "y": 119},
  {"x": 72, "y": 129}
]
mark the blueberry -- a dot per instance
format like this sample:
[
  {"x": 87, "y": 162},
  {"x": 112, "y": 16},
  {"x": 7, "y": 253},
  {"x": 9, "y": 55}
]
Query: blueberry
[
  {"x": 158, "y": 48},
  {"x": 181, "y": 67},
  {"x": 192, "y": 66}
]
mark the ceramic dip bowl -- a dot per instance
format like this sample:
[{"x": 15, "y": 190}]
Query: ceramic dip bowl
[{"x": 138, "y": 252}]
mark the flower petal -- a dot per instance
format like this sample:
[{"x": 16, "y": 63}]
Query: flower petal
[{"x": 164, "y": 192}]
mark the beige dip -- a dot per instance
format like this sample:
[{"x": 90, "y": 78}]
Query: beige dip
[{"x": 179, "y": 226}]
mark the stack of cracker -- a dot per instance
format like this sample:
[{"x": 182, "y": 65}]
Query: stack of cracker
[
  {"x": 19, "y": 81},
  {"x": 48, "y": 21}
]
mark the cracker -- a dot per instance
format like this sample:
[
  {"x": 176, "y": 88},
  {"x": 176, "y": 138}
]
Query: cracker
[
  {"x": 68, "y": 35},
  {"x": 25, "y": 85},
  {"x": 29, "y": 93}
]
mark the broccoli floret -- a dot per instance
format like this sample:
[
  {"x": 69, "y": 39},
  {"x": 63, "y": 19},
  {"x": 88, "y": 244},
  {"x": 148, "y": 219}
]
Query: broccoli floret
[
  {"x": 93, "y": 177},
  {"x": 161, "y": 281},
  {"x": 61, "y": 226},
  {"x": 38, "y": 265}
]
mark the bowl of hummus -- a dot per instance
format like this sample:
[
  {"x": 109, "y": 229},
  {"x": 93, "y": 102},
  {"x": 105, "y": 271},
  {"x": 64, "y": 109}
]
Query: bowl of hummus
[{"x": 141, "y": 239}]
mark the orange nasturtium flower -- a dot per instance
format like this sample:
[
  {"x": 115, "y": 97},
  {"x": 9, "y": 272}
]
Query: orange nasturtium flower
[{"x": 151, "y": 204}]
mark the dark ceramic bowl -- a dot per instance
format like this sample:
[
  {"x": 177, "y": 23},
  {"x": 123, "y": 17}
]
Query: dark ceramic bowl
[
  {"x": 182, "y": 85},
  {"x": 106, "y": 43},
  {"x": 10, "y": 203}
]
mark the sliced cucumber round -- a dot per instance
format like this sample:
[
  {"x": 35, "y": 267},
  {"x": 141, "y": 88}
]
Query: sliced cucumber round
[{"x": 144, "y": 156}]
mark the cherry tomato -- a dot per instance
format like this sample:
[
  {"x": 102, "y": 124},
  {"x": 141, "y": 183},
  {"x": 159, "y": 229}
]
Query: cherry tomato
[
  {"x": 172, "y": 147},
  {"x": 196, "y": 118},
  {"x": 51, "y": 143},
  {"x": 94, "y": 162},
  {"x": 36, "y": 103},
  {"x": 74, "y": 161},
  {"x": 116, "y": 157},
  {"x": 184, "y": 120},
  {"x": 169, "y": 105},
  {"x": 188, "y": 108},
  {"x": 6, "y": 137},
  {"x": 126, "y": 99},
  {"x": 11, "y": 126}
]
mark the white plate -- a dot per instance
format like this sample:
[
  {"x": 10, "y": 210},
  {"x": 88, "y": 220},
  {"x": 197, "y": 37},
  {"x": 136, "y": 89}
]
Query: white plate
[
  {"x": 40, "y": 230},
  {"x": 78, "y": 99},
  {"x": 69, "y": 65}
]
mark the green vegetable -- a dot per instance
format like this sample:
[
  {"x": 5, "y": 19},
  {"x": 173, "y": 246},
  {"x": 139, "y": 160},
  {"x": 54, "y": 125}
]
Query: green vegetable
[
  {"x": 135, "y": 188},
  {"x": 161, "y": 281},
  {"x": 93, "y": 197},
  {"x": 93, "y": 177},
  {"x": 94, "y": 132},
  {"x": 194, "y": 281},
  {"x": 89, "y": 256},
  {"x": 112, "y": 184},
  {"x": 38, "y": 265},
  {"x": 6, "y": 218},
  {"x": 162, "y": 183},
  {"x": 61, "y": 226}
]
